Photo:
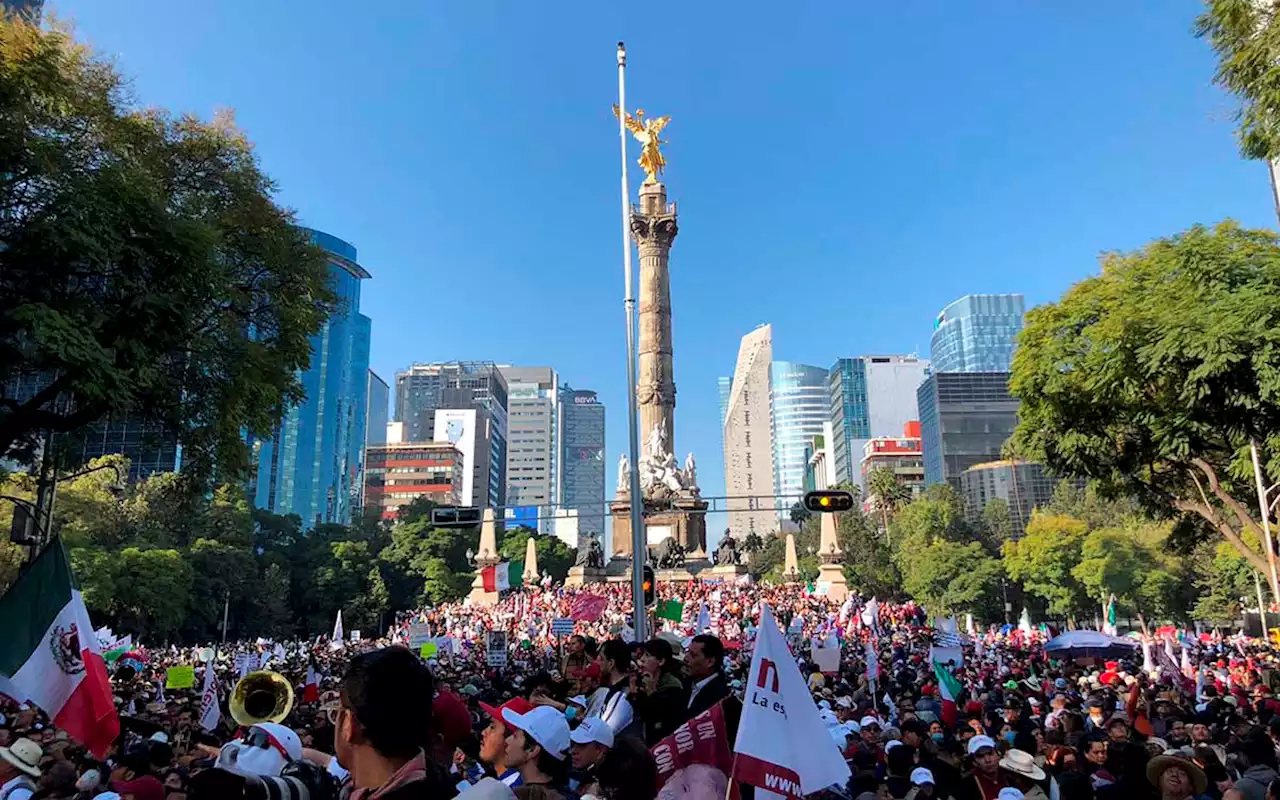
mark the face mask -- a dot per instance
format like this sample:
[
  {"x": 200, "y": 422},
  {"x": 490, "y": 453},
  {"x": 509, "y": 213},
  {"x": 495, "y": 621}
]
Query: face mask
[{"x": 937, "y": 737}]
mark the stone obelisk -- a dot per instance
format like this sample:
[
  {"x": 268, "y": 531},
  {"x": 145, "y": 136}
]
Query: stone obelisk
[{"x": 487, "y": 557}]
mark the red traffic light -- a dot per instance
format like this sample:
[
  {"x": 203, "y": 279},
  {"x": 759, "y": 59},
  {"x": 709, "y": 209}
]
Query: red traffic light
[{"x": 828, "y": 501}]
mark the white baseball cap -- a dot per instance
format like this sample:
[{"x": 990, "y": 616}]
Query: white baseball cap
[
  {"x": 979, "y": 742},
  {"x": 545, "y": 725},
  {"x": 593, "y": 729},
  {"x": 1010, "y": 793},
  {"x": 921, "y": 775},
  {"x": 869, "y": 720}
]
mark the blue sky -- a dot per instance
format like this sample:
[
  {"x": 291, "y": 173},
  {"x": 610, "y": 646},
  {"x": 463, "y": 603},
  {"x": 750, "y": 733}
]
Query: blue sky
[{"x": 843, "y": 170}]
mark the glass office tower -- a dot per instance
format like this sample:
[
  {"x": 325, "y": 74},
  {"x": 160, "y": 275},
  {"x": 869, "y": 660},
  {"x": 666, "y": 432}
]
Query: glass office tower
[
  {"x": 314, "y": 465},
  {"x": 977, "y": 333},
  {"x": 800, "y": 408}
]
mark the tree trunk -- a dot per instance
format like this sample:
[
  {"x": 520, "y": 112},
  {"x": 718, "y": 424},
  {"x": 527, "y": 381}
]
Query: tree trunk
[{"x": 1143, "y": 621}]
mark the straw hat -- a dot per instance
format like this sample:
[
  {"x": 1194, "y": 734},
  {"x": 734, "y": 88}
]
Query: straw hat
[
  {"x": 1022, "y": 763},
  {"x": 25, "y": 755},
  {"x": 1157, "y": 766}
]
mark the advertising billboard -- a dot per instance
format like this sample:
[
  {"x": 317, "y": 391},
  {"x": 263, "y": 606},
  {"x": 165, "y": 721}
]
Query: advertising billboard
[{"x": 458, "y": 427}]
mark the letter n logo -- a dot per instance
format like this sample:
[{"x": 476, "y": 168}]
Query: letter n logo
[{"x": 767, "y": 669}]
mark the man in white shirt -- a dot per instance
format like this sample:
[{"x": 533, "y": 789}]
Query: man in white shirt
[
  {"x": 609, "y": 702},
  {"x": 19, "y": 769}
]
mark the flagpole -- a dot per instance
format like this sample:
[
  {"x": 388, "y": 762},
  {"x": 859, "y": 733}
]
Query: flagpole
[
  {"x": 638, "y": 544},
  {"x": 226, "y": 606}
]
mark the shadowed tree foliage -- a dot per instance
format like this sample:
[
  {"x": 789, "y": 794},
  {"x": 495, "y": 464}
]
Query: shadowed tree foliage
[
  {"x": 146, "y": 271},
  {"x": 1154, "y": 377},
  {"x": 1245, "y": 34}
]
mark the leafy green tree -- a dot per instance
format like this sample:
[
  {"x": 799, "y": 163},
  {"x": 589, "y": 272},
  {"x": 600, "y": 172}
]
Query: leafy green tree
[
  {"x": 554, "y": 556},
  {"x": 146, "y": 269},
  {"x": 269, "y": 612},
  {"x": 1246, "y": 36},
  {"x": 950, "y": 577},
  {"x": 152, "y": 588},
  {"x": 1154, "y": 377},
  {"x": 997, "y": 521},
  {"x": 221, "y": 573},
  {"x": 868, "y": 562},
  {"x": 1222, "y": 579},
  {"x": 1043, "y": 560}
]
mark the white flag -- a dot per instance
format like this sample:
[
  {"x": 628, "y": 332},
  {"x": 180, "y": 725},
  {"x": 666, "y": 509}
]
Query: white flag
[
  {"x": 337, "y": 627},
  {"x": 704, "y": 618},
  {"x": 209, "y": 712},
  {"x": 783, "y": 745},
  {"x": 873, "y": 661}
]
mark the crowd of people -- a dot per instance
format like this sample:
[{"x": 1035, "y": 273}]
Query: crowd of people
[{"x": 429, "y": 709}]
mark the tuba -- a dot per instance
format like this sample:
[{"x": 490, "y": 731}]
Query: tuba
[{"x": 262, "y": 696}]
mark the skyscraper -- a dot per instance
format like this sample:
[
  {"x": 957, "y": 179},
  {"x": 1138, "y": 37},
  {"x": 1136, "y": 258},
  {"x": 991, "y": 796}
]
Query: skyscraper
[
  {"x": 965, "y": 419},
  {"x": 870, "y": 396},
  {"x": 800, "y": 407},
  {"x": 580, "y": 483},
  {"x": 726, "y": 387},
  {"x": 379, "y": 394},
  {"x": 419, "y": 392},
  {"x": 976, "y": 333},
  {"x": 748, "y": 439},
  {"x": 313, "y": 466},
  {"x": 532, "y": 395}
]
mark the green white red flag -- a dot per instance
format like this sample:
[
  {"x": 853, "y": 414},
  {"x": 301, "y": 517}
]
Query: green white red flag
[
  {"x": 949, "y": 689},
  {"x": 504, "y": 576},
  {"x": 50, "y": 656}
]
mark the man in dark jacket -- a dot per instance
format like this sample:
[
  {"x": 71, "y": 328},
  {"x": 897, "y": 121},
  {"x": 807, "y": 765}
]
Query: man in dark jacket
[{"x": 383, "y": 720}]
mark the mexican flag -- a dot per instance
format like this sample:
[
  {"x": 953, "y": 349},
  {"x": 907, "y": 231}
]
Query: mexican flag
[
  {"x": 1109, "y": 627},
  {"x": 948, "y": 690},
  {"x": 500, "y": 577},
  {"x": 49, "y": 654},
  {"x": 670, "y": 610}
]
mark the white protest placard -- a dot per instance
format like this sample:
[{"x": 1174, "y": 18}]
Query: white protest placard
[{"x": 355, "y": 636}]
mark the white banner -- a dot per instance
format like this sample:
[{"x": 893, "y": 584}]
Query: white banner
[{"x": 209, "y": 711}]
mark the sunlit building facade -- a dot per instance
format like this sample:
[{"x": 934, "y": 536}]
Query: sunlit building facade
[
  {"x": 977, "y": 333},
  {"x": 799, "y": 412}
]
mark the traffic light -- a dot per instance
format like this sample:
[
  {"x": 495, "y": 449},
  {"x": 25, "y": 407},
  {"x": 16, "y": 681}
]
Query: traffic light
[
  {"x": 650, "y": 587},
  {"x": 827, "y": 501},
  {"x": 455, "y": 517}
]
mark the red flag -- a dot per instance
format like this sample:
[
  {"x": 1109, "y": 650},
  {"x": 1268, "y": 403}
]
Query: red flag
[
  {"x": 587, "y": 607},
  {"x": 702, "y": 740},
  {"x": 311, "y": 691}
]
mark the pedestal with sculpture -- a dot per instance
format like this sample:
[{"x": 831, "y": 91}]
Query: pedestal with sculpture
[
  {"x": 672, "y": 502},
  {"x": 589, "y": 566},
  {"x": 488, "y": 556},
  {"x": 728, "y": 559},
  {"x": 831, "y": 572}
]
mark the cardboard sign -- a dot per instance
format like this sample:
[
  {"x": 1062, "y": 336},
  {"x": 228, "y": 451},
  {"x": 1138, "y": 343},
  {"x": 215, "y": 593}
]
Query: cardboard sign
[
  {"x": 429, "y": 650},
  {"x": 179, "y": 677}
]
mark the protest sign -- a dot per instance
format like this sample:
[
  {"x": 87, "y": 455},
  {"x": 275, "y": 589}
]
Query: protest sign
[
  {"x": 497, "y": 648},
  {"x": 419, "y": 635},
  {"x": 562, "y": 626},
  {"x": 702, "y": 740},
  {"x": 180, "y": 677}
]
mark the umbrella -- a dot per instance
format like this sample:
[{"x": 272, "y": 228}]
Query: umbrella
[{"x": 1075, "y": 644}]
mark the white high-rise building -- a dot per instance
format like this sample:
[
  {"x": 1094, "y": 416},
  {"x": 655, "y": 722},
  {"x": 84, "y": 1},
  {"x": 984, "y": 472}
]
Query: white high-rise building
[
  {"x": 748, "y": 439},
  {"x": 532, "y": 395}
]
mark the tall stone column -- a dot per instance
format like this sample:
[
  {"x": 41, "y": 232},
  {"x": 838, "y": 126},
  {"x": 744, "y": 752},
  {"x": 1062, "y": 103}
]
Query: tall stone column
[{"x": 653, "y": 226}]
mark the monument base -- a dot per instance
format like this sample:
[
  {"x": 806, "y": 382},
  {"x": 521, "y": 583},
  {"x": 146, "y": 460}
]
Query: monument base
[
  {"x": 478, "y": 596},
  {"x": 729, "y": 572},
  {"x": 833, "y": 576},
  {"x": 581, "y": 576},
  {"x": 683, "y": 519}
]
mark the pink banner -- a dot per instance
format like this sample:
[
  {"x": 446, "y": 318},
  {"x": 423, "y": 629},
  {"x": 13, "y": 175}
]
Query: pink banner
[{"x": 701, "y": 740}]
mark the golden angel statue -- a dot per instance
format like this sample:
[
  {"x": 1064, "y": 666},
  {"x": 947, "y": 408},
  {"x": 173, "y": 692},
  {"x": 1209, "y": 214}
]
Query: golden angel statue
[{"x": 647, "y": 133}]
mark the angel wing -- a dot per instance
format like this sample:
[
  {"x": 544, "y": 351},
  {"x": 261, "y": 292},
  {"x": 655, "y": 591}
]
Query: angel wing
[
  {"x": 631, "y": 122},
  {"x": 657, "y": 124}
]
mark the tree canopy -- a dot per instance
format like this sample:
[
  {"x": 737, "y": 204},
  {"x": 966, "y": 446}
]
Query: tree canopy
[
  {"x": 1154, "y": 377},
  {"x": 1246, "y": 36},
  {"x": 146, "y": 270}
]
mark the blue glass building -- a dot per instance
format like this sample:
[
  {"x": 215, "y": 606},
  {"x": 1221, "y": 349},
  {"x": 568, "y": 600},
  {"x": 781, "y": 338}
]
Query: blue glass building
[
  {"x": 977, "y": 333},
  {"x": 800, "y": 408},
  {"x": 850, "y": 416},
  {"x": 965, "y": 419},
  {"x": 314, "y": 465}
]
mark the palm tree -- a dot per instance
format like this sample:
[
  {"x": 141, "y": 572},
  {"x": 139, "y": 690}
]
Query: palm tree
[{"x": 888, "y": 494}]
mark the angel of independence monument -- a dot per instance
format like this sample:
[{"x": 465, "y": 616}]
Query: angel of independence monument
[{"x": 673, "y": 509}]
